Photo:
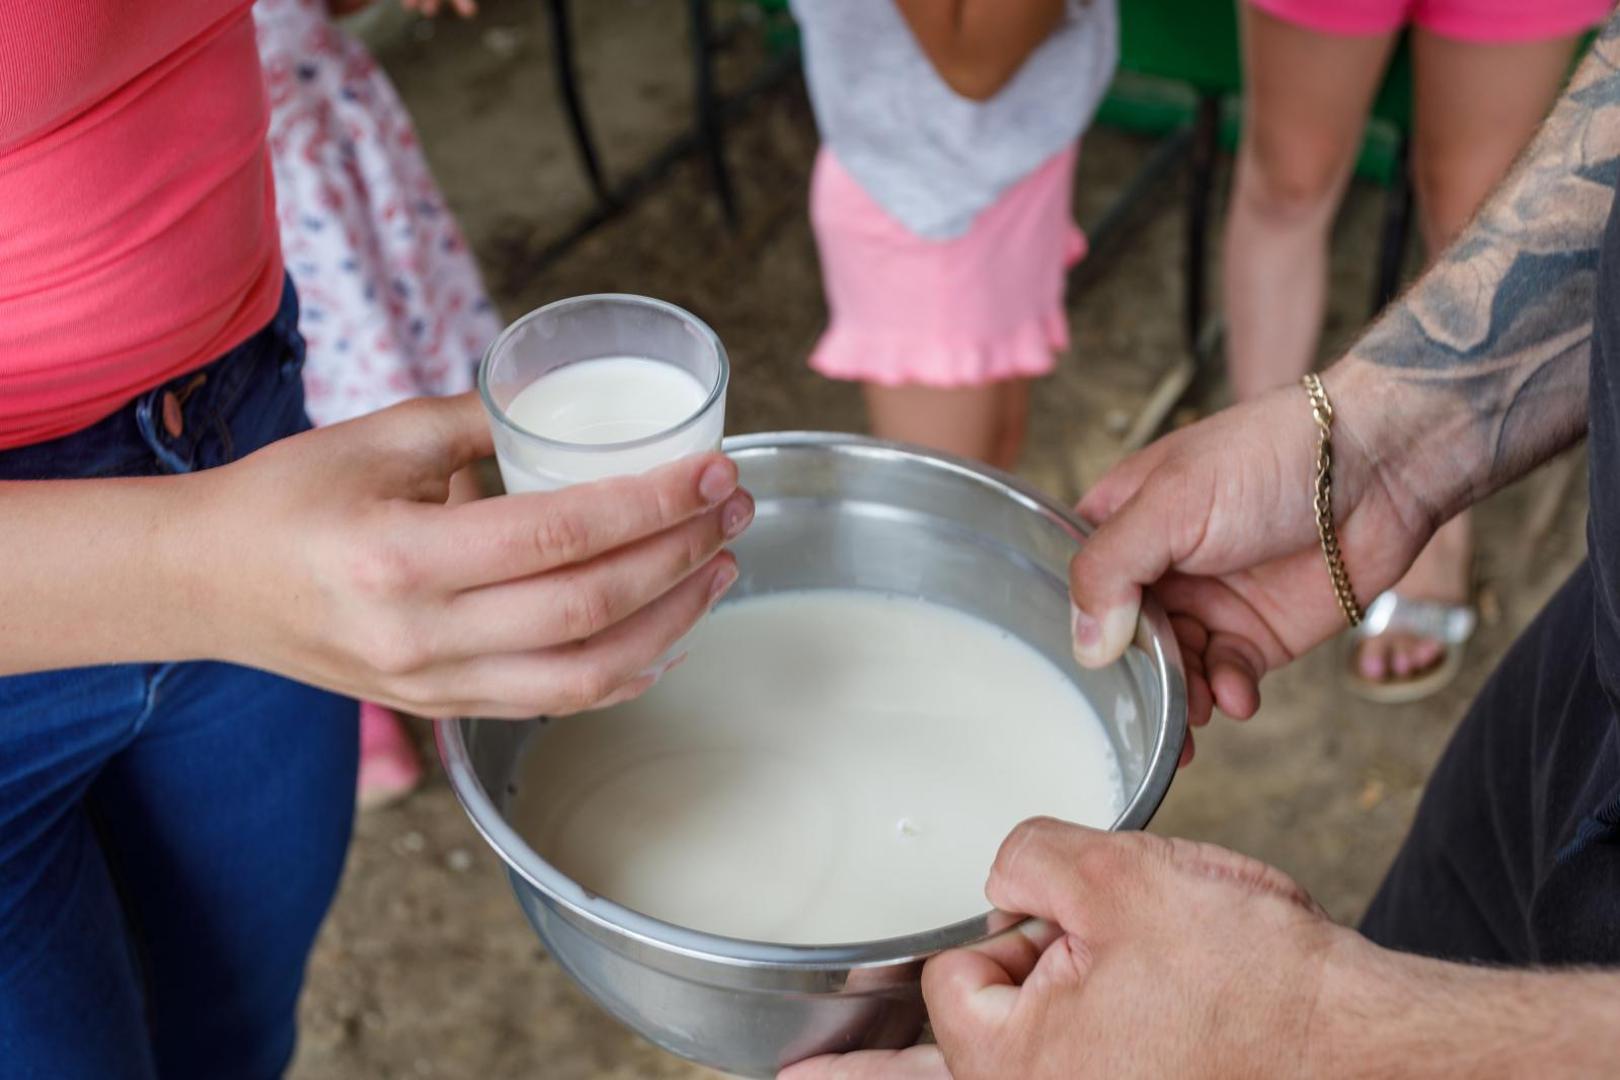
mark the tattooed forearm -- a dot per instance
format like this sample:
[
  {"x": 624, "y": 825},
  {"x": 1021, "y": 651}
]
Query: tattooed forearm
[{"x": 1484, "y": 361}]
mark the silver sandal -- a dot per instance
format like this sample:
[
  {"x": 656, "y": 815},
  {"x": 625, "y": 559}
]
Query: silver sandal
[{"x": 1449, "y": 624}]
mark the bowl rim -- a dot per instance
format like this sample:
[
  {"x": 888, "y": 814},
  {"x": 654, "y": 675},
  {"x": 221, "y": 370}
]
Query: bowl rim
[{"x": 1154, "y": 637}]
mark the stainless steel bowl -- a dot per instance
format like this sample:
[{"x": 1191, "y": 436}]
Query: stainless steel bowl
[{"x": 835, "y": 511}]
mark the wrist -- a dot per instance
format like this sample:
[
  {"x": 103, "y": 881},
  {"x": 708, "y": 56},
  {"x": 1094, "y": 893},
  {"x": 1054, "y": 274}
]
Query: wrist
[
  {"x": 1385, "y": 448},
  {"x": 101, "y": 572},
  {"x": 1361, "y": 988},
  {"x": 1383, "y": 1013},
  {"x": 190, "y": 580}
]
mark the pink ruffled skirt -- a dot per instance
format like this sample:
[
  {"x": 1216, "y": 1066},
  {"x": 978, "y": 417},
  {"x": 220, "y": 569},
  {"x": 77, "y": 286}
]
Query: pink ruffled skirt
[{"x": 977, "y": 308}]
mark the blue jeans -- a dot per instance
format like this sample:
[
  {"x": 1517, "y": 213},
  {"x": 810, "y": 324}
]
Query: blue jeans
[{"x": 171, "y": 835}]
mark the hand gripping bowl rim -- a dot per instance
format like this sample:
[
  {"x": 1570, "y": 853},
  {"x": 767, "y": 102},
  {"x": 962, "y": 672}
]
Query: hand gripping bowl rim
[{"x": 711, "y": 958}]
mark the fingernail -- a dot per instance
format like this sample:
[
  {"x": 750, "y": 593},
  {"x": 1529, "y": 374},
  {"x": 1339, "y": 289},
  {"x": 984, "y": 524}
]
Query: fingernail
[
  {"x": 1099, "y": 642},
  {"x": 1087, "y": 632},
  {"x": 724, "y": 578},
  {"x": 675, "y": 663},
  {"x": 717, "y": 481},
  {"x": 737, "y": 514}
]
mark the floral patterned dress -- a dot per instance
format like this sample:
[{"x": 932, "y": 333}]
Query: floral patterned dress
[{"x": 392, "y": 303}]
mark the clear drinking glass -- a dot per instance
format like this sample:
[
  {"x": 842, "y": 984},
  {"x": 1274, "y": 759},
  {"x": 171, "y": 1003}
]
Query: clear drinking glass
[{"x": 588, "y": 413}]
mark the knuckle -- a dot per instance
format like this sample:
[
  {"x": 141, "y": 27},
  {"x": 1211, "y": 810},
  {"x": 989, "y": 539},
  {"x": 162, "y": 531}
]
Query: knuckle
[
  {"x": 1106, "y": 860},
  {"x": 1023, "y": 836},
  {"x": 382, "y": 570},
  {"x": 702, "y": 541},
  {"x": 670, "y": 505},
  {"x": 559, "y": 536},
  {"x": 1167, "y": 850},
  {"x": 396, "y": 650},
  {"x": 585, "y": 610},
  {"x": 589, "y": 685},
  {"x": 418, "y": 695}
]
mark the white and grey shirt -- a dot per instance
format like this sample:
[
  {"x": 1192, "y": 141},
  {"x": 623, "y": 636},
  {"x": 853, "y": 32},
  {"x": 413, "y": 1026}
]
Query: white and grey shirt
[{"x": 930, "y": 157}]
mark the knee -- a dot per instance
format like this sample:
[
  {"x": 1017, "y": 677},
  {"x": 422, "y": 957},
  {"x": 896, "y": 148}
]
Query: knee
[{"x": 1291, "y": 184}]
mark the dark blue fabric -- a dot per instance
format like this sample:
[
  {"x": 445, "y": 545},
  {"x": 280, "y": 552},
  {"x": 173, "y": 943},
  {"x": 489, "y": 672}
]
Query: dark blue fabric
[
  {"x": 171, "y": 835},
  {"x": 1515, "y": 853}
]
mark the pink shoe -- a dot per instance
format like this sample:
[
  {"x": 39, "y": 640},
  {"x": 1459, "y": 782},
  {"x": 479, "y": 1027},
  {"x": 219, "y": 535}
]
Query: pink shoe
[{"x": 389, "y": 767}]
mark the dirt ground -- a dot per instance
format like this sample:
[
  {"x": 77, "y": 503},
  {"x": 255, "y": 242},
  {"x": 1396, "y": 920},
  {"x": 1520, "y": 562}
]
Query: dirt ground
[{"x": 426, "y": 968}]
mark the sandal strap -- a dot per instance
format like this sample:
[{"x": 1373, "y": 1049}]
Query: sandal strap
[{"x": 1451, "y": 624}]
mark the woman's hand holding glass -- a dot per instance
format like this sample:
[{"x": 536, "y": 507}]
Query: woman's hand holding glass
[{"x": 342, "y": 566}]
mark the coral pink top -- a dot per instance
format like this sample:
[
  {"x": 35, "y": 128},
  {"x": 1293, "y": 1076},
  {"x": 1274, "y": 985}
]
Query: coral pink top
[{"x": 137, "y": 216}]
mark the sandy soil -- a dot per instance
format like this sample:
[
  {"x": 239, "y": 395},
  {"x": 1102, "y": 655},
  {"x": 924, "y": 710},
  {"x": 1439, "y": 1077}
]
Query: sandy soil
[{"x": 426, "y": 967}]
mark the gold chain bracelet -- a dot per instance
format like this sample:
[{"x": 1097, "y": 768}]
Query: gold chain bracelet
[{"x": 1322, "y": 413}]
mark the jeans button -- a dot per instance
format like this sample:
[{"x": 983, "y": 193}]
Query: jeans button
[{"x": 174, "y": 421}]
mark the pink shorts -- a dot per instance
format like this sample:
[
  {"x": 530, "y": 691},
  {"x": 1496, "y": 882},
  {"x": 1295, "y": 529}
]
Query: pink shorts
[
  {"x": 980, "y": 307},
  {"x": 1488, "y": 22}
]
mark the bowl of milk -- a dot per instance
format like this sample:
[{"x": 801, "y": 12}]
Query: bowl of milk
[{"x": 749, "y": 864}]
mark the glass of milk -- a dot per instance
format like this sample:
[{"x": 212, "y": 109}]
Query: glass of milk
[{"x": 599, "y": 386}]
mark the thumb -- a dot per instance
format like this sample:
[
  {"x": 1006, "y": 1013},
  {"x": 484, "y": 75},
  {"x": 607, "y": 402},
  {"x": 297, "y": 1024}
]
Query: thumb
[
  {"x": 1129, "y": 550},
  {"x": 441, "y": 435},
  {"x": 1084, "y": 880},
  {"x": 971, "y": 991},
  {"x": 463, "y": 429}
]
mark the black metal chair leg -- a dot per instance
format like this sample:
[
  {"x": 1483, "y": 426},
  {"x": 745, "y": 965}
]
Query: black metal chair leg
[
  {"x": 1397, "y": 230},
  {"x": 709, "y": 122},
  {"x": 1201, "y": 190},
  {"x": 562, "y": 36}
]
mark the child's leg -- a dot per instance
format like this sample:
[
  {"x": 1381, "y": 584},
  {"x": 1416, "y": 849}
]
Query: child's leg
[
  {"x": 963, "y": 421},
  {"x": 390, "y": 768},
  {"x": 1307, "y": 102},
  {"x": 1477, "y": 107},
  {"x": 1014, "y": 423}
]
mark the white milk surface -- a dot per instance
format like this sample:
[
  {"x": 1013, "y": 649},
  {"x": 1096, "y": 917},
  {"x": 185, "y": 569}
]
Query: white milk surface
[
  {"x": 609, "y": 400},
  {"x": 613, "y": 399},
  {"x": 827, "y": 767}
]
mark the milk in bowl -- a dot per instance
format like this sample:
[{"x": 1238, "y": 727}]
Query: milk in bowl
[{"x": 834, "y": 765}]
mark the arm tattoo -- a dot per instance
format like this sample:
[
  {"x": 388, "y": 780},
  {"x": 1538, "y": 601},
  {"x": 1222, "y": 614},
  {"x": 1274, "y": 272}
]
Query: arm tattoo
[{"x": 1502, "y": 324}]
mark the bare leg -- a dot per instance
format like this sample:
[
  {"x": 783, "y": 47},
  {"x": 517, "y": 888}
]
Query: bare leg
[
  {"x": 1477, "y": 107},
  {"x": 966, "y": 422},
  {"x": 1014, "y": 424},
  {"x": 1307, "y": 102},
  {"x": 389, "y": 766}
]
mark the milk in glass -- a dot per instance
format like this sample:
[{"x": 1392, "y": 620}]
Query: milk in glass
[
  {"x": 598, "y": 386},
  {"x": 590, "y": 406}
]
